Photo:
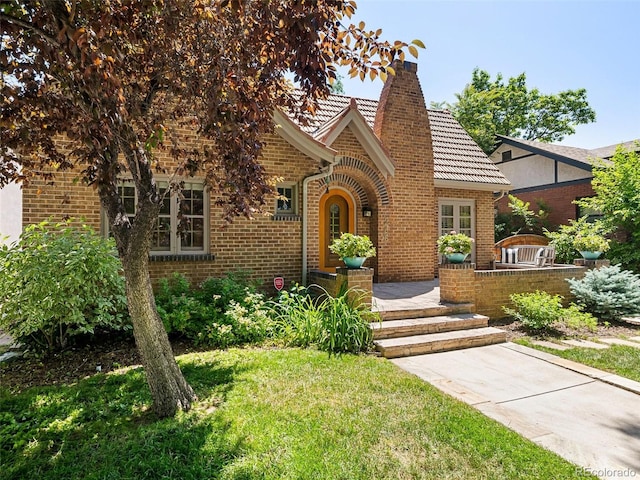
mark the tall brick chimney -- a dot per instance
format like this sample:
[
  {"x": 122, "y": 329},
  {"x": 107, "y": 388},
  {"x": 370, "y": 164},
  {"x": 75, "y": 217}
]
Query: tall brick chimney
[{"x": 408, "y": 230}]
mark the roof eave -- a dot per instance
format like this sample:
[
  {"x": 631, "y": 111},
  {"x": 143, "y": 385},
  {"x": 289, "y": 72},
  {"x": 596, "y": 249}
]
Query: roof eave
[
  {"x": 478, "y": 186},
  {"x": 365, "y": 136},
  {"x": 581, "y": 164},
  {"x": 302, "y": 141}
]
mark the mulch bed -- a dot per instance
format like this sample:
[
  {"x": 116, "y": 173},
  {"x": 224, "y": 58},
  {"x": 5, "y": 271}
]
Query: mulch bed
[
  {"x": 77, "y": 363},
  {"x": 74, "y": 364},
  {"x": 515, "y": 330}
]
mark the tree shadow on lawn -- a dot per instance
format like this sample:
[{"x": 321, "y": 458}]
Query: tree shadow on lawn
[{"x": 103, "y": 427}]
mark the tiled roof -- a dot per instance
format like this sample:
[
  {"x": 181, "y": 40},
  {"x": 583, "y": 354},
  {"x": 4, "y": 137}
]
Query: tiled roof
[
  {"x": 574, "y": 153},
  {"x": 609, "y": 150},
  {"x": 456, "y": 156},
  {"x": 335, "y": 104}
]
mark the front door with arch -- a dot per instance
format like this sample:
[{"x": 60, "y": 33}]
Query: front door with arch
[{"x": 336, "y": 218}]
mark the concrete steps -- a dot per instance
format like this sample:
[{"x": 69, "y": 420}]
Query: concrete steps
[
  {"x": 423, "y": 326},
  {"x": 421, "y": 312},
  {"x": 439, "y": 342},
  {"x": 418, "y": 331}
]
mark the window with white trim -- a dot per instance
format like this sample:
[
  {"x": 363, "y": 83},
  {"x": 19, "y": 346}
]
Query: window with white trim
[
  {"x": 168, "y": 236},
  {"x": 457, "y": 215},
  {"x": 287, "y": 200}
]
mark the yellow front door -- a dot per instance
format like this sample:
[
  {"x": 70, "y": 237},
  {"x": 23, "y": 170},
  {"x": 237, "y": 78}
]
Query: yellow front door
[{"x": 336, "y": 218}]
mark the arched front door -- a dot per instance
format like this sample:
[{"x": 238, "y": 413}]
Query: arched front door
[{"x": 336, "y": 218}]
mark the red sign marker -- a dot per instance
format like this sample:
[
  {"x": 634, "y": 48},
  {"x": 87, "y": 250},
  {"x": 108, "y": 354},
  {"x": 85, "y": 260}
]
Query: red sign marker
[{"x": 278, "y": 282}]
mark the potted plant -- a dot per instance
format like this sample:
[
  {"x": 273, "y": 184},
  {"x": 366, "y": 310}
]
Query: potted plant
[
  {"x": 591, "y": 245},
  {"x": 455, "y": 246},
  {"x": 353, "y": 249}
]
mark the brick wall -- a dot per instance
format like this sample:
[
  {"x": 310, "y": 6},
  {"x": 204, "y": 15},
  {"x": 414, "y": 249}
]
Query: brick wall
[
  {"x": 358, "y": 281},
  {"x": 457, "y": 283},
  {"x": 559, "y": 199},
  {"x": 490, "y": 289},
  {"x": 263, "y": 246},
  {"x": 406, "y": 229}
]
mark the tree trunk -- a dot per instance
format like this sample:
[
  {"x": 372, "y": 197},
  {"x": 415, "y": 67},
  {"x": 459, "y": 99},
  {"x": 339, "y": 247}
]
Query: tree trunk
[{"x": 169, "y": 389}]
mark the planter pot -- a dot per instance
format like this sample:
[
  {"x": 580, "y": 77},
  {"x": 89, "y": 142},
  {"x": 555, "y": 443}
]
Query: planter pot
[
  {"x": 456, "y": 257},
  {"x": 354, "y": 262},
  {"x": 590, "y": 255}
]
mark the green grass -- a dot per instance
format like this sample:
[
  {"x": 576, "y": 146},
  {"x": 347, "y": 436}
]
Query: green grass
[
  {"x": 618, "y": 359},
  {"x": 264, "y": 414}
]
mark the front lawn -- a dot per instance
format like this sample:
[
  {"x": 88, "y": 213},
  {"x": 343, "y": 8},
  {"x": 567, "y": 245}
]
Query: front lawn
[
  {"x": 263, "y": 413},
  {"x": 618, "y": 359}
]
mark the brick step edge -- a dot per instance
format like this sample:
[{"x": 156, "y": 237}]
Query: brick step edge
[
  {"x": 435, "y": 311},
  {"x": 426, "y": 325},
  {"x": 440, "y": 342}
]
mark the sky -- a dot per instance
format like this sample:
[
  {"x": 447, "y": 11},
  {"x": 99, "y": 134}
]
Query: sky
[{"x": 560, "y": 45}]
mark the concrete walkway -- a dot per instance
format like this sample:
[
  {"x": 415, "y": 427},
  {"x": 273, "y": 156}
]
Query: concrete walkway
[{"x": 589, "y": 417}]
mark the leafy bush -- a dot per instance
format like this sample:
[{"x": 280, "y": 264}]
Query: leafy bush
[
  {"x": 58, "y": 282},
  {"x": 575, "y": 318},
  {"x": 616, "y": 185},
  {"x": 521, "y": 219},
  {"x": 608, "y": 292},
  {"x": 335, "y": 324},
  {"x": 222, "y": 312},
  {"x": 536, "y": 311},
  {"x": 579, "y": 234}
]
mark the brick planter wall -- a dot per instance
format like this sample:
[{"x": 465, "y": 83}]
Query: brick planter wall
[
  {"x": 457, "y": 283},
  {"x": 490, "y": 289},
  {"x": 360, "y": 280}
]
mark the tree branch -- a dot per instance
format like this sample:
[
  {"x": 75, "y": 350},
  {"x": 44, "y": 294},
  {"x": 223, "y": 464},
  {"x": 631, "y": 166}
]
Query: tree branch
[{"x": 29, "y": 26}]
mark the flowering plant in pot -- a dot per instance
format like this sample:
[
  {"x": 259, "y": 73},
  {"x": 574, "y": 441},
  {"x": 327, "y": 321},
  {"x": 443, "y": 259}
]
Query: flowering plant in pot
[
  {"x": 591, "y": 246},
  {"x": 353, "y": 249},
  {"x": 455, "y": 246}
]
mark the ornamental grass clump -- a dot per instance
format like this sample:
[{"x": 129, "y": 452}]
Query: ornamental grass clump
[{"x": 453, "y": 242}]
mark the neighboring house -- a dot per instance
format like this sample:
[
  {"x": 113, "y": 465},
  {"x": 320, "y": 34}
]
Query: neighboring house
[
  {"x": 556, "y": 175},
  {"x": 390, "y": 169},
  {"x": 10, "y": 213}
]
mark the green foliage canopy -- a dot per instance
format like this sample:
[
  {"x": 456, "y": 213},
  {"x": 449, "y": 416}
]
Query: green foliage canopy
[
  {"x": 486, "y": 108},
  {"x": 617, "y": 188}
]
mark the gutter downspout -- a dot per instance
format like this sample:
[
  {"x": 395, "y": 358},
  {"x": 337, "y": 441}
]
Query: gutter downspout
[
  {"x": 305, "y": 220},
  {"x": 502, "y": 194}
]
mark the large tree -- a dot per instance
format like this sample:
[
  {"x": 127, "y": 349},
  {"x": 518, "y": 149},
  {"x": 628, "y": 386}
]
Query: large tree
[
  {"x": 117, "y": 77},
  {"x": 487, "y": 108},
  {"x": 617, "y": 196}
]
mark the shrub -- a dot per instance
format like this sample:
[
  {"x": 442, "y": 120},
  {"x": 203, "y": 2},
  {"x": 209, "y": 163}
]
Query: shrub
[
  {"x": 536, "y": 311},
  {"x": 222, "y": 312},
  {"x": 59, "y": 282},
  {"x": 575, "y": 318},
  {"x": 608, "y": 292},
  {"x": 335, "y": 324}
]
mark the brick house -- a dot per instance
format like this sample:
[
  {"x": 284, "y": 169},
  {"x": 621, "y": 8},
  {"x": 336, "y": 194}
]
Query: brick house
[
  {"x": 390, "y": 169},
  {"x": 555, "y": 174}
]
